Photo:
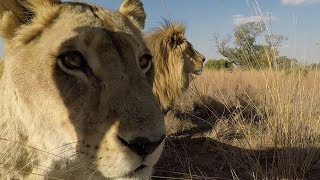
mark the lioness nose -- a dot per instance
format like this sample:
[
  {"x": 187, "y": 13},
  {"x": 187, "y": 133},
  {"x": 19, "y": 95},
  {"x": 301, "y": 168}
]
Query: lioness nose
[{"x": 142, "y": 146}]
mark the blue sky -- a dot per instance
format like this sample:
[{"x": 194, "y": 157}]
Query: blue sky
[{"x": 296, "y": 19}]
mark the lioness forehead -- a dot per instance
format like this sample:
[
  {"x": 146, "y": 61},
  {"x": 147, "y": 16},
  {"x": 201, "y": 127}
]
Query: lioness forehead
[
  {"x": 69, "y": 17},
  {"x": 111, "y": 20},
  {"x": 92, "y": 21}
]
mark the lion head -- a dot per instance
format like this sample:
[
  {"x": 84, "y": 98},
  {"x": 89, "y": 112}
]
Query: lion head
[
  {"x": 175, "y": 59},
  {"x": 76, "y": 100}
]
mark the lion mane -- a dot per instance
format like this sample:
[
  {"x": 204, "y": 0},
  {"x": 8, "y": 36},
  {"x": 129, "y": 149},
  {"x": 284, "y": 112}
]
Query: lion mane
[{"x": 174, "y": 59}]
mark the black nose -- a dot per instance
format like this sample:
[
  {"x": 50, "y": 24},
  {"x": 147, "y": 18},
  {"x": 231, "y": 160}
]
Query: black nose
[
  {"x": 203, "y": 59},
  {"x": 141, "y": 145}
]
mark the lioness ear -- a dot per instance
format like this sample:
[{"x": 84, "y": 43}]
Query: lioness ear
[
  {"x": 14, "y": 13},
  {"x": 135, "y": 11},
  {"x": 175, "y": 40}
]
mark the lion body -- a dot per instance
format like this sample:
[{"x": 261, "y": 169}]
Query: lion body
[
  {"x": 175, "y": 60},
  {"x": 74, "y": 101}
]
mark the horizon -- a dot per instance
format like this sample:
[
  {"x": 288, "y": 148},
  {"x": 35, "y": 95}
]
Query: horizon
[{"x": 291, "y": 18}]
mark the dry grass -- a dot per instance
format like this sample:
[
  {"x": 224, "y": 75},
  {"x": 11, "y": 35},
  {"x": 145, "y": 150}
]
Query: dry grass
[{"x": 246, "y": 125}]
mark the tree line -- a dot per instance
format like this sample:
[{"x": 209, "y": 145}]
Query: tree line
[{"x": 243, "y": 50}]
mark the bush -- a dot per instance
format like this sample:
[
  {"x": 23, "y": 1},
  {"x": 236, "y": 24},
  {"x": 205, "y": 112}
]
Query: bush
[{"x": 218, "y": 64}]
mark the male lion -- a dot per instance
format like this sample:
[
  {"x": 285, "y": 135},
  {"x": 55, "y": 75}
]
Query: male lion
[
  {"x": 76, "y": 102},
  {"x": 175, "y": 59}
]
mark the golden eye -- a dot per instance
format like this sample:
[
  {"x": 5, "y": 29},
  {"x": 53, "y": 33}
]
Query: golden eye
[
  {"x": 72, "y": 60},
  {"x": 145, "y": 62}
]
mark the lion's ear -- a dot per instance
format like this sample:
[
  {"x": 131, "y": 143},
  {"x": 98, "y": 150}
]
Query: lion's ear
[
  {"x": 14, "y": 13},
  {"x": 176, "y": 39},
  {"x": 135, "y": 11}
]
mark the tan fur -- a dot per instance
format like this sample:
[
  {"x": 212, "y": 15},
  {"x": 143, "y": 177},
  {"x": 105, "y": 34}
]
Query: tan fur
[
  {"x": 137, "y": 15},
  {"x": 174, "y": 59},
  {"x": 58, "y": 122},
  {"x": 1, "y": 67},
  {"x": 19, "y": 13}
]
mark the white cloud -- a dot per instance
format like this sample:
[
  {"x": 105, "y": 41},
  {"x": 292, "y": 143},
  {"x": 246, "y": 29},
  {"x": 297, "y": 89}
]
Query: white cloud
[
  {"x": 241, "y": 19},
  {"x": 297, "y": 2}
]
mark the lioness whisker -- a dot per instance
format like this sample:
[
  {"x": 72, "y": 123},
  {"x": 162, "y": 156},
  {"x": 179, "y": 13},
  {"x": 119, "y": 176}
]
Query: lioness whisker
[
  {"x": 35, "y": 159},
  {"x": 38, "y": 157},
  {"x": 13, "y": 166},
  {"x": 40, "y": 150},
  {"x": 92, "y": 174},
  {"x": 78, "y": 164}
]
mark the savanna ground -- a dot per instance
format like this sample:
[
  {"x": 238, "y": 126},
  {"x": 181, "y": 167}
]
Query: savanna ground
[{"x": 245, "y": 124}]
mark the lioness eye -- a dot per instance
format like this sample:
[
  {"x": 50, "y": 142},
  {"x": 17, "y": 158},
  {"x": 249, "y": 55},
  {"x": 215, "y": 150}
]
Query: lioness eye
[
  {"x": 145, "y": 62},
  {"x": 72, "y": 60}
]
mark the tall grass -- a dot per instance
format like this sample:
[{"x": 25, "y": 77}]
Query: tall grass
[{"x": 270, "y": 119}]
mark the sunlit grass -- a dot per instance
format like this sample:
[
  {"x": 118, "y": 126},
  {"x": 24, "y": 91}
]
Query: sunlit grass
[{"x": 271, "y": 115}]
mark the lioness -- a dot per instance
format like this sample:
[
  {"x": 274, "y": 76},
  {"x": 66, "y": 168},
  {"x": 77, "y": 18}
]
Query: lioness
[{"x": 76, "y": 100}]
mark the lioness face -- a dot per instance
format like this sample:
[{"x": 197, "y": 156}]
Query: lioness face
[{"x": 83, "y": 80}]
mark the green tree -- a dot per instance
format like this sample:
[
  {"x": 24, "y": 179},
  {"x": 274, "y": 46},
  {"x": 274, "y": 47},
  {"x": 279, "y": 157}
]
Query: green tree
[
  {"x": 275, "y": 40},
  {"x": 245, "y": 50},
  {"x": 314, "y": 66},
  {"x": 283, "y": 62},
  {"x": 218, "y": 64}
]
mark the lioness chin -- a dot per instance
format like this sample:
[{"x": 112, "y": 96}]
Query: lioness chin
[{"x": 76, "y": 98}]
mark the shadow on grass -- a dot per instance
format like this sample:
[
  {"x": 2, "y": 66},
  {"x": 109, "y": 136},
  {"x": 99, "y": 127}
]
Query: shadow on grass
[
  {"x": 206, "y": 111},
  {"x": 204, "y": 158}
]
